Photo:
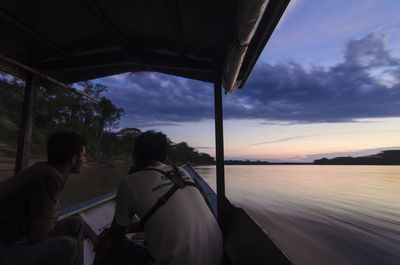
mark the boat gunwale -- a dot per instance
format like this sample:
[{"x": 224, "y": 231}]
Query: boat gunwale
[{"x": 75, "y": 209}]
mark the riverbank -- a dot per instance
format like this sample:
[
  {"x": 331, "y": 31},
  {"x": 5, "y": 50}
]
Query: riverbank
[{"x": 8, "y": 153}]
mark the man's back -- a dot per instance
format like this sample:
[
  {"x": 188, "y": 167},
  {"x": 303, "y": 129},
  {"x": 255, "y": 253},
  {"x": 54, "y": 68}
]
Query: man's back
[{"x": 183, "y": 231}]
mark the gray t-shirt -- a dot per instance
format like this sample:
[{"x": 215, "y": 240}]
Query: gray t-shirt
[
  {"x": 183, "y": 231},
  {"x": 33, "y": 192}
]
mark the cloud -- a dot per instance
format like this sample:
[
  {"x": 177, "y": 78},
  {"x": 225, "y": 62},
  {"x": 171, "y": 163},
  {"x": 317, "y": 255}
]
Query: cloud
[
  {"x": 280, "y": 140},
  {"x": 158, "y": 99},
  {"x": 345, "y": 92},
  {"x": 204, "y": 147},
  {"x": 364, "y": 85},
  {"x": 369, "y": 51}
]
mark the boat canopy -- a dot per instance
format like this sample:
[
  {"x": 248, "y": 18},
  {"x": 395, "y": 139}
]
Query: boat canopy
[{"x": 72, "y": 41}]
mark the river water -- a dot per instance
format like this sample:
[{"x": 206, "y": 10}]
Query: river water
[
  {"x": 322, "y": 214},
  {"x": 317, "y": 214}
]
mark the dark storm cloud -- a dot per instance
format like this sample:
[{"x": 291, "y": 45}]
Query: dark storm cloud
[
  {"x": 365, "y": 85},
  {"x": 157, "y": 99},
  {"x": 344, "y": 92}
]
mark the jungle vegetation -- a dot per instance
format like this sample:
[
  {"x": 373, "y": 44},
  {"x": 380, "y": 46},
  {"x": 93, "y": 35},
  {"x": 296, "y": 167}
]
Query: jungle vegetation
[{"x": 59, "y": 109}]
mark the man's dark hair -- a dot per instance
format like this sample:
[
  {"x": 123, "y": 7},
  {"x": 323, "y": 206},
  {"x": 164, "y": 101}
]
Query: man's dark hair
[
  {"x": 150, "y": 147},
  {"x": 63, "y": 145}
]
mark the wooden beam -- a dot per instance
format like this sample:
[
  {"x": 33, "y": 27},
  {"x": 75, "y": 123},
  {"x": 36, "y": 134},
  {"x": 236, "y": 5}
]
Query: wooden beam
[
  {"x": 44, "y": 76},
  {"x": 176, "y": 26},
  {"x": 96, "y": 10},
  {"x": 127, "y": 57},
  {"x": 12, "y": 69},
  {"x": 93, "y": 73},
  {"x": 95, "y": 66},
  {"x": 206, "y": 75},
  {"x": 25, "y": 128},
  {"x": 33, "y": 34}
]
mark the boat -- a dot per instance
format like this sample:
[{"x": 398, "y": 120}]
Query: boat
[
  {"x": 63, "y": 42},
  {"x": 244, "y": 242}
]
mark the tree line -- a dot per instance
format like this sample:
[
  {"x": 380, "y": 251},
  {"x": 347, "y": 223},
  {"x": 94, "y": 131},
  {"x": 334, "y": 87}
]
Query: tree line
[
  {"x": 388, "y": 157},
  {"x": 59, "y": 109}
]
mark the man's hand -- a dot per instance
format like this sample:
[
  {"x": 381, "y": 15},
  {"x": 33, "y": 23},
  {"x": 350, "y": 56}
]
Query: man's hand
[{"x": 135, "y": 227}]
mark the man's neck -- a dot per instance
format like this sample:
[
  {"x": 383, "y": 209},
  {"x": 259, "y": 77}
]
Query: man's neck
[
  {"x": 63, "y": 168},
  {"x": 139, "y": 165}
]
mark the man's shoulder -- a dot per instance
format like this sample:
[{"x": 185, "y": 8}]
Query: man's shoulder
[
  {"x": 39, "y": 176},
  {"x": 155, "y": 169},
  {"x": 33, "y": 172},
  {"x": 149, "y": 175},
  {"x": 166, "y": 169},
  {"x": 42, "y": 172}
]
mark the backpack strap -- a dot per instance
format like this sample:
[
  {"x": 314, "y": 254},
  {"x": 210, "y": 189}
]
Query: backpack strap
[{"x": 179, "y": 183}]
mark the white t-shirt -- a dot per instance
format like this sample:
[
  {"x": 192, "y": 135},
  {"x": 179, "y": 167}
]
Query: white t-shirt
[{"x": 183, "y": 231}]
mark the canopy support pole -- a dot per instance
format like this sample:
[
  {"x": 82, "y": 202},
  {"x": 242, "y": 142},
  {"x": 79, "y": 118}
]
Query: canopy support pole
[
  {"x": 219, "y": 149},
  {"x": 26, "y": 122}
]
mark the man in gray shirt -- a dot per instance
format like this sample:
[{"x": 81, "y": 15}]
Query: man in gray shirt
[
  {"x": 181, "y": 232},
  {"x": 29, "y": 207}
]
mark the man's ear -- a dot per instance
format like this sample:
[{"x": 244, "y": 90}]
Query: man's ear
[{"x": 73, "y": 159}]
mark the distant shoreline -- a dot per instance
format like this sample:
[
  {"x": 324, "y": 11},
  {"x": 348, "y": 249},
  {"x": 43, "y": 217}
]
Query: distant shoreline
[
  {"x": 247, "y": 163},
  {"x": 387, "y": 158},
  {"x": 301, "y": 164}
]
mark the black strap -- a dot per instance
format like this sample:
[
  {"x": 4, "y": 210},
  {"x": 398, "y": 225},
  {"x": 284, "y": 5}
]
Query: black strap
[
  {"x": 179, "y": 183},
  {"x": 160, "y": 202}
]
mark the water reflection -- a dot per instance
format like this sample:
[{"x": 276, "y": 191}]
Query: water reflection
[
  {"x": 91, "y": 183},
  {"x": 322, "y": 214},
  {"x": 318, "y": 214}
]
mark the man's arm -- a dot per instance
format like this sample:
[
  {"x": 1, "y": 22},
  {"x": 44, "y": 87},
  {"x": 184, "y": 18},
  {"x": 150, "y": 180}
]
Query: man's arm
[
  {"x": 44, "y": 205},
  {"x": 40, "y": 228},
  {"x": 121, "y": 223},
  {"x": 117, "y": 232},
  {"x": 123, "y": 210},
  {"x": 107, "y": 240},
  {"x": 115, "y": 235}
]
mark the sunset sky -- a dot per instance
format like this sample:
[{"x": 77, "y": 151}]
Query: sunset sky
[{"x": 326, "y": 84}]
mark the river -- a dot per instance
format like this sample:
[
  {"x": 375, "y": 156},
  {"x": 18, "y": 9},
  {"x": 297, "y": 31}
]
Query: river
[
  {"x": 317, "y": 214},
  {"x": 322, "y": 214}
]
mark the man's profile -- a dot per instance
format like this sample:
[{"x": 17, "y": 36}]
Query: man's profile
[
  {"x": 29, "y": 207},
  {"x": 183, "y": 230}
]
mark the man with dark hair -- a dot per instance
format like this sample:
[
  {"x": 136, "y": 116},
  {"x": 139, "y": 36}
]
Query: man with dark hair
[
  {"x": 29, "y": 207},
  {"x": 181, "y": 231},
  {"x": 149, "y": 148}
]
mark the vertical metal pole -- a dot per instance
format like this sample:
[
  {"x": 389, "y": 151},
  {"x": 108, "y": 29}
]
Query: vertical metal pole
[
  {"x": 219, "y": 149},
  {"x": 25, "y": 128}
]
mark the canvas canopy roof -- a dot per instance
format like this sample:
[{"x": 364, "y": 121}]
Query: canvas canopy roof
[
  {"x": 67, "y": 41},
  {"x": 72, "y": 41}
]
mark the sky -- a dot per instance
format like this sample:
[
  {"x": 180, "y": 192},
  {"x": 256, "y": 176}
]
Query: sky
[{"x": 327, "y": 84}]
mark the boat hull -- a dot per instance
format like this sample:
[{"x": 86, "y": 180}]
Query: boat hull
[{"x": 245, "y": 242}]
